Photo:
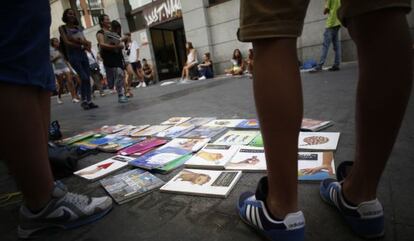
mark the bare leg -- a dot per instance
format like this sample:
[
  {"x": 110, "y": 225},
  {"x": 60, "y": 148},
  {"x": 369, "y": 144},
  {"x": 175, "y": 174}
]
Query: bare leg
[
  {"x": 71, "y": 86},
  {"x": 278, "y": 96},
  {"x": 383, "y": 92},
  {"x": 31, "y": 168},
  {"x": 60, "y": 86}
]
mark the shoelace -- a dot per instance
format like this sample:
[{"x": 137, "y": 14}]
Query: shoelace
[{"x": 79, "y": 200}]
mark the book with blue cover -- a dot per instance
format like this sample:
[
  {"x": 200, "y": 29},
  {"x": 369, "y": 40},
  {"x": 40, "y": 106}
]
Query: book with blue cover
[
  {"x": 158, "y": 158},
  {"x": 114, "y": 143},
  {"x": 315, "y": 166},
  {"x": 248, "y": 124}
]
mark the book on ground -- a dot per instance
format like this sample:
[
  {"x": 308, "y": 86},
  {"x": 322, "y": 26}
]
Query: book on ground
[
  {"x": 143, "y": 146},
  {"x": 203, "y": 182},
  {"x": 229, "y": 123},
  {"x": 314, "y": 125},
  {"x": 130, "y": 185},
  {"x": 158, "y": 158},
  {"x": 172, "y": 165},
  {"x": 103, "y": 168},
  {"x": 315, "y": 166},
  {"x": 189, "y": 144},
  {"x": 318, "y": 141},
  {"x": 175, "y": 120},
  {"x": 248, "y": 159},
  {"x": 111, "y": 129},
  {"x": 204, "y": 132},
  {"x": 78, "y": 137},
  {"x": 116, "y": 143},
  {"x": 237, "y": 137},
  {"x": 198, "y": 121},
  {"x": 212, "y": 157},
  {"x": 174, "y": 132},
  {"x": 150, "y": 131},
  {"x": 248, "y": 124},
  {"x": 257, "y": 141}
]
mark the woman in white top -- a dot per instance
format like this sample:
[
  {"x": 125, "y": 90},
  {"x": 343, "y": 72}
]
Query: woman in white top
[
  {"x": 132, "y": 63},
  {"x": 191, "y": 61}
]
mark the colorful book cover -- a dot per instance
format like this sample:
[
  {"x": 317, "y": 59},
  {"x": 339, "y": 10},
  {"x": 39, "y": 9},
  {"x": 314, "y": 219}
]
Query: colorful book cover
[
  {"x": 249, "y": 124},
  {"x": 237, "y": 137},
  {"x": 78, "y": 137},
  {"x": 117, "y": 143},
  {"x": 175, "y": 120},
  {"x": 198, "y": 121},
  {"x": 203, "y": 182},
  {"x": 88, "y": 143},
  {"x": 107, "y": 129},
  {"x": 130, "y": 185},
  {"x": 174, "y": 132},
  {"x": 173, "y": 165},
  {"x": 158, "y": 158},
  {"x": 248, "y": 158},
  {"x": 315, "y": 166},
  {"x": 257, "y": 141},
  {"x": 314, "y": 125},
  {"x": 212, "y": 157},
  {"x": 229, "y": 123},
  {"x": 150, "y": 131},
  {"x": 142, "y": 146},
  {"x": 192, "y": 145},
  {"x": 204, "y": 132},
  {"x": 322, "y": 141},
  {"x": 103, "y": 168}
]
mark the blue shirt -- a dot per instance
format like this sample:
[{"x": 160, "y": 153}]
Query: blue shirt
[{"x": 24, "y": 43}]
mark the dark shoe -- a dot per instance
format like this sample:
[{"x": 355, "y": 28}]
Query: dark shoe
[
  {"x": 92, "y": 105},
  {"x": 85, "y": 106},
  {"x": 334, "y": 68}
]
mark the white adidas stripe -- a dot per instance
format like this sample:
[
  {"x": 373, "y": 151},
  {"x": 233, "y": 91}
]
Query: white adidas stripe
[
  {"x": 253, "y": 215},
  {"x": 248, "y": 213}
]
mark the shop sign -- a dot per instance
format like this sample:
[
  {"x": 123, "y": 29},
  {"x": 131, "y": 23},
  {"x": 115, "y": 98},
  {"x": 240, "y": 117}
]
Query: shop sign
[{"x": 162, "y": 11}]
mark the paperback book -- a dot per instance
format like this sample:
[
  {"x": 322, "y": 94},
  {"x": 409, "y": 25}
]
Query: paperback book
[
  {"x": 257, "y": 141},
  {"x": 203, "y": 182},
  {"x": 314, "y": 125},
  {"x": 150, "y": 131},
  {"x": 212, "y": 157},
  {"x": 172, "y": 165},
  {"x": 248, "y": 159},
  {"x": 131, "y": 129},
  {"x": 174, "y": 132},
  {"x": 204, "y": 132},
  {"x": 88, "y": 143},
  {"x": 229, "y": 123},
  {"x": 142, "y": 147},
  {"x": 107, "y": 129},
  {"x": 129, "y": 185},
  {"x": 193, "y": 145},
  {"x": 175, "y": 120},
  {"x": 318, "y": 141},
  {"x": 117, "y": 143},
  {"x": 158, "y": 158},
  {"x": 103, "y": 168},
  {"x": 235, "y": 137},
  {"x": 248, "y": 124},
  {"x": 315, "y": 166},
  {"x": 197, "y": 121},
  {"x": 78, "y": 137}
]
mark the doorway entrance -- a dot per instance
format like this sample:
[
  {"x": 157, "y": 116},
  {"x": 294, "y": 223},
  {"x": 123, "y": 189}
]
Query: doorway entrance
[{"x": 168, "y": 41}]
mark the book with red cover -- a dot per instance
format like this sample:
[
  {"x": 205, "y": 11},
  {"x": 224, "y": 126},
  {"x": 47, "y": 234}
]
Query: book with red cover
[{"x": 143, "y": 146}]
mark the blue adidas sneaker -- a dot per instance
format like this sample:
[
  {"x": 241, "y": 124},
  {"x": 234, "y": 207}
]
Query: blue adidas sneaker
[
  {"x": 252, "y": 210},
  {"x": 366, "y": 219}
]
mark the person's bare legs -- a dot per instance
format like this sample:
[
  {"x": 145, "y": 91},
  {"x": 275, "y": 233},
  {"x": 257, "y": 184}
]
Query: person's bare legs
[
  {"x": 279, "y": 104},
  {"x": 385, "y": 79},
  {"x": 71, "y": 86},
  {"x": 27, "y": 124}
]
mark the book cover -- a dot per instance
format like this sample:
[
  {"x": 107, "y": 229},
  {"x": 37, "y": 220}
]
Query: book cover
[
  {"x": 172, "y": 165},
  {"x": 204, "y": 132},
  {"x": 212, "y": 157},
  {"x": 229, "y": 123},
  {"x": 76, "y": 138},
  {"x": 237, "y": 137},
  {"x": 249, "y": 124},
  {"x": 314, "y": 125},
  {"x": 111, "y": 129},
  {"x": 103, "y": 168},
  {"x": 130, "y": 185},
  {"x": 150, "y": 131},
  {"x": 248, "y": 158},
  {"x": 322, "y": 141},
  {"x": 127, "y": 131},
  {"x": 257, "y": 141},
  {"x": 175, "y": 120},
  {"x": 203, "y": 182},
  {"x": 192, "y": 145},
  {"x": 197, "y": 121},
  {"x": 174, "y": 132},
  {"x": 142, "y": 146},
  {"x": 315, "y": 166},
  {"x": 88, "y": 143},
  {"x": 117, "y": 143},
  {"x": 158, "y": 158}
]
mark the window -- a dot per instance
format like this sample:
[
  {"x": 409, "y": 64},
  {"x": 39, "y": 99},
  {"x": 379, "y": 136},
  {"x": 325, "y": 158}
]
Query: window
[
  {"x": 138, "y": 3},
  {"x": 89, "y": 11},
  {"x": 136, "y": 21}
]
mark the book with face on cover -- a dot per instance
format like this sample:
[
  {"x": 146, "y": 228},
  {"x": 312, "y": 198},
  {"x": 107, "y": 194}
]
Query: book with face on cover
[
  {"x": 150, "y": 131},
  {"x": 198, "y": 121},
  {"x": 116, "y": 143},
  {"x": 318, "y": 141},
  {"x": 130, "y": 185},
  {"x": 237, "y": 137},
  {"x": 315, "y": 166},
  {"x": 249, "y": 159},
  {"x": 257, "y": 141},
  {"x": 203, "y": 182},
  {"x": 229, "y": 123},
  {"x": 174, "y": 132},
  {"x": 103, "y": 168},
  {"x": 204, "y": 132},
  {"x": 175, "y": 120},
  {"x": 158, "y": 158},
  {"x": 143, "y": 146},
  {"x": 212, "y": 157},
  {"x": 189, "y": 144},
  {"x": 248, "y": 124},
  {"x": 314, "y": 125}
]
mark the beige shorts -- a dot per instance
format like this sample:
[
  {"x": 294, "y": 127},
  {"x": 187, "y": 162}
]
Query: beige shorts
[{"x": 260, "y": 19}]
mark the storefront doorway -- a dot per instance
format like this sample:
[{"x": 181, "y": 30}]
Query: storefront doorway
[{"x": 168, "y": 41}]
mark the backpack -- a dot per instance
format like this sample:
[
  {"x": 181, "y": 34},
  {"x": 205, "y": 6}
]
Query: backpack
[{"x": 54, "y": 131}]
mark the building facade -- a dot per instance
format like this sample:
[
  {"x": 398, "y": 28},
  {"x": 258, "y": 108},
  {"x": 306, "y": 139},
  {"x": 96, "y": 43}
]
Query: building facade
[{"x": 161, "y": 27}]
